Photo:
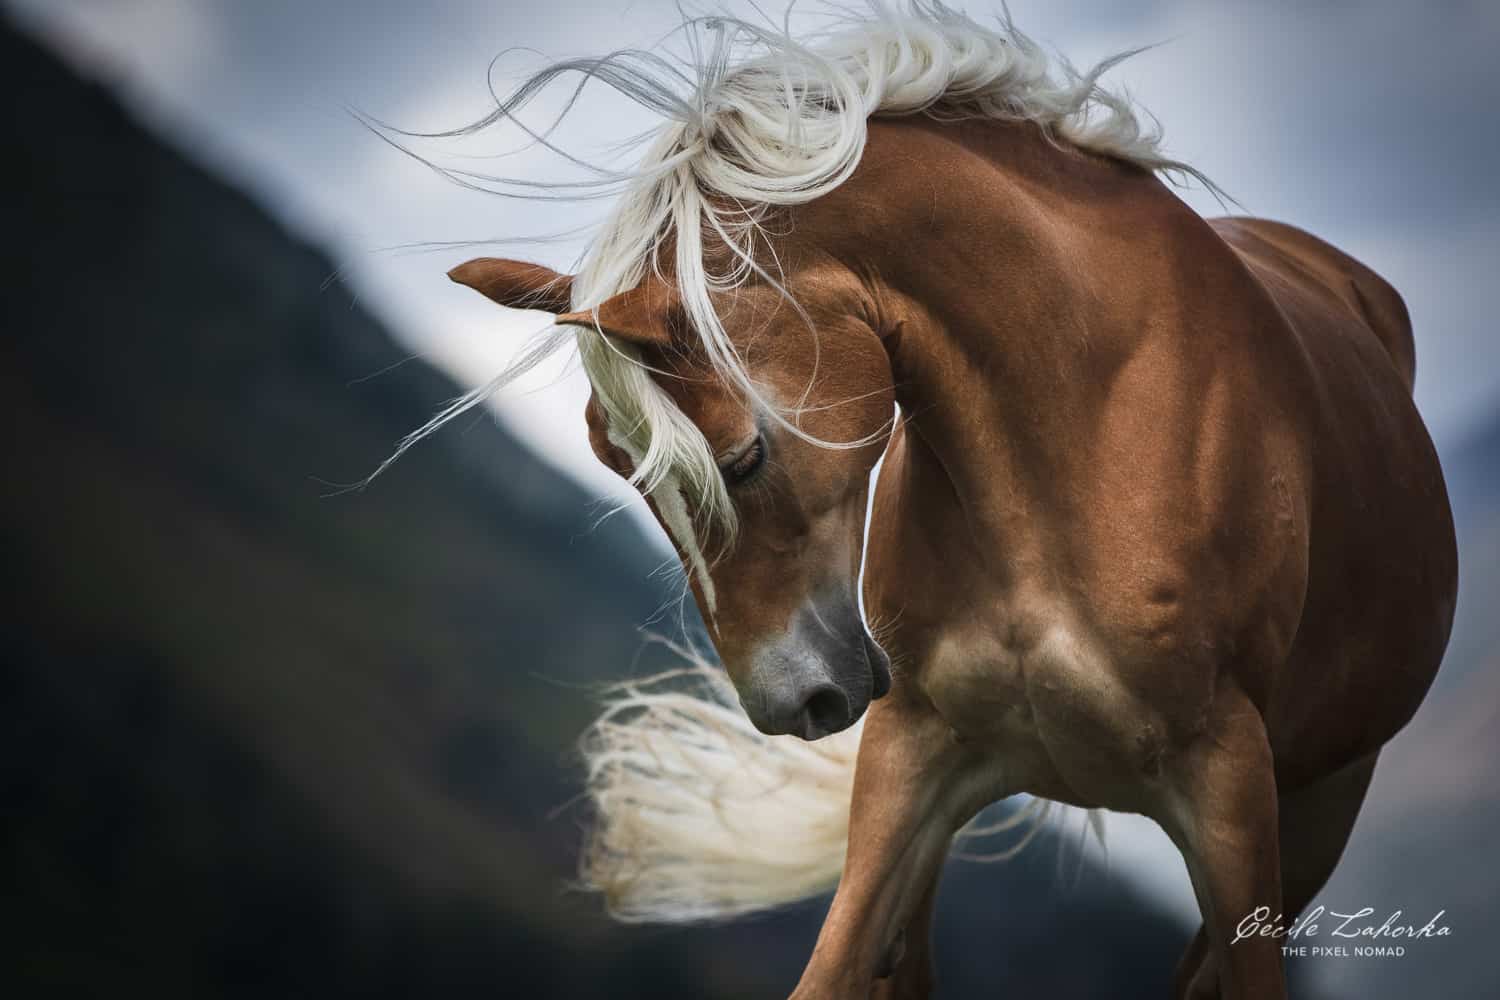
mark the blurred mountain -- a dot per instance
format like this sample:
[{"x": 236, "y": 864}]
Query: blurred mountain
[{"x": 257, "y": 740}]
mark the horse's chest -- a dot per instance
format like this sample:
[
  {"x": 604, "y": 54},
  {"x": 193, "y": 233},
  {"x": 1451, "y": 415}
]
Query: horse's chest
[
  {"x": 977, "y": 680},
  {"x": 1044, "y": 698}
]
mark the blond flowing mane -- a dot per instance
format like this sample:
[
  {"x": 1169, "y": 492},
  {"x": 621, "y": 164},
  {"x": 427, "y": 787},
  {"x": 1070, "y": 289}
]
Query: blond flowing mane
[{"x": 755, "y": 119}]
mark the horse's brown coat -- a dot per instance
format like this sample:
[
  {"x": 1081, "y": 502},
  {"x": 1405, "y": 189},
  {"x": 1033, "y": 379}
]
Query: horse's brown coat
[{"x": 1161, "y": 529}]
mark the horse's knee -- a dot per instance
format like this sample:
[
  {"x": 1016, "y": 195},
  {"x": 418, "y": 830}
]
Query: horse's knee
[
  {"x": 1187, "y": 978},
  {"x": 1205, "y": 982},
  {"x": 911, "y": 979}
]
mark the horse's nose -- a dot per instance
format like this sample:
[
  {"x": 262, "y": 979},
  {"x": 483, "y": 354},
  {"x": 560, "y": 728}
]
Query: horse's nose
[
  {"x": 821, "y": 710},
  {"x": 808, "y": 707}
]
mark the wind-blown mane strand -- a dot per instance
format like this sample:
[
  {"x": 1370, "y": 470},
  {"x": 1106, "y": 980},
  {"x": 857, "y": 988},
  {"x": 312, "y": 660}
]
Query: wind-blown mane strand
[{"x": 755, "y": 119}]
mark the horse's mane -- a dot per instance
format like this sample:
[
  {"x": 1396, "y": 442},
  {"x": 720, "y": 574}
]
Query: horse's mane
[{"x": 754, "y": 119}]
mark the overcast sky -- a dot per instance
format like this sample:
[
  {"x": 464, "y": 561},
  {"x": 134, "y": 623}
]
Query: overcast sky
[{"x": 1371, "y": 124}]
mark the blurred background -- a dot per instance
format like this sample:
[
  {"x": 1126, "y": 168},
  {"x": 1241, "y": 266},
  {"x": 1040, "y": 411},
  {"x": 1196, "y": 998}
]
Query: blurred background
[{"x": 262, "y": 738}]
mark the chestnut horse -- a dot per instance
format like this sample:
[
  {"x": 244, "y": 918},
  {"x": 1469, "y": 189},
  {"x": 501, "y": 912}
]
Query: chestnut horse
[{"x": 1159, "y": 528}]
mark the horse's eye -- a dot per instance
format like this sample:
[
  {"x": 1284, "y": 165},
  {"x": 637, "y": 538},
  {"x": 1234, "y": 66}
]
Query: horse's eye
[{"x": 746, "y": 464}]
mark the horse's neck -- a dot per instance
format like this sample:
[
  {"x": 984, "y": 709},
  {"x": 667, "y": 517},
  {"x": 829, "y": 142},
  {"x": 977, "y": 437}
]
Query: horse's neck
[{"x": 1018, "y": 274}]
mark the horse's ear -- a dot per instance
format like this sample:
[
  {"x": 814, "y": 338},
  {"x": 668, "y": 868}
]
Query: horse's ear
[
  {"x": 517, "y": 284},
  {"x": 639, "y": 315}
]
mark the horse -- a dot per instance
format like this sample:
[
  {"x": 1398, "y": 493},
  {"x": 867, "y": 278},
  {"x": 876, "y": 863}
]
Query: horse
[{"x": 1157, "y": 526}]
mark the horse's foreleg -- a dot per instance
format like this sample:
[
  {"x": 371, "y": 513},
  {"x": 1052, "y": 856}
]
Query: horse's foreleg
[
  {"x": 1223, "y": 815},
  {"x": 911, "y": 975},
  {"x": 1196, "y": 978},
  {"x": 1315, "y": 822},
  {"x": 914, "y": 785}
]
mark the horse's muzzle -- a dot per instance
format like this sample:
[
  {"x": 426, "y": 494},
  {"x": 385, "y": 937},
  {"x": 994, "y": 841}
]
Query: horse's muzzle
[{"x": 819, "y": 678}]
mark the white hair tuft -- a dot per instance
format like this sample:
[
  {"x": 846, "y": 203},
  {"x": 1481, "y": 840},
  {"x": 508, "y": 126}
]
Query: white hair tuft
[{"x": 700, "y": 816}]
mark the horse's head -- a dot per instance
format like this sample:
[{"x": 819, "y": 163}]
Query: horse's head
[{"x": 780, "y": 589}]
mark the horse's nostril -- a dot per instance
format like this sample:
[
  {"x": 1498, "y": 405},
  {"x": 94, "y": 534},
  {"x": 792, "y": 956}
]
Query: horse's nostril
[{"x": 826, "y": 711}]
